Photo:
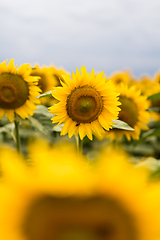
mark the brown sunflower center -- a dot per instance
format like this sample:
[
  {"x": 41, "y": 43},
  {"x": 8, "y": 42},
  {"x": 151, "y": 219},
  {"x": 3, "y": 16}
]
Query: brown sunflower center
[
  {"x": 13, "y": 91},
  {"x": 84, "y": 104},
  {"x": 129, "y": 112},
  {"x": 118, "y": 80},
  {"x": 94, "y": 218}
]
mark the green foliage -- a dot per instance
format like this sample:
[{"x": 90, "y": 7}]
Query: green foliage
[
  {"x": 122, "y": 125},
  {"x": 155, "y": 96},
  {"x": 37, "y": 126},
  {"x": 46, "y": 94},
  {"x": 41, "y": 126}
]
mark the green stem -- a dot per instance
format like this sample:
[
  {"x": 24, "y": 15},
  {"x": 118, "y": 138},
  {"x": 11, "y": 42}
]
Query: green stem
[
  {"x": 79, "y": 145},
  {"x": 16, "y": 124}
]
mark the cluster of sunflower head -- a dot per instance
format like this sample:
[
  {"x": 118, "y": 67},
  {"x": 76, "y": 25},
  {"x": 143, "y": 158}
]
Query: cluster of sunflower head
[
  {"x": 137, "y": 109},
  {"x": 50, "y": 76},
  {"x": 20, "y": 87},
  {"x": 53, "y": 193},
  {"x": 86, "y": 104}
]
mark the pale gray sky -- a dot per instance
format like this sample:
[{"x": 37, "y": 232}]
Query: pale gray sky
[{"x": 108, "y": 35}]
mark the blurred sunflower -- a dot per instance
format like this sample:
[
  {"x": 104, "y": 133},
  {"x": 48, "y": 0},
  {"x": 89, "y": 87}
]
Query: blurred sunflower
[
  {"x": 120, "y": 77},
  {"x": 57, "y": 75},
  {"x": 157, "y": 77},
  {"x": 18, "y": 91},
  {"x": 45, "y": 82},
  {"x": 87, "y": 104},
  {"x": 155, "y": 104},
  {"x": 145, "y": 84},
  {"x": 51, "y": 199},
  {"x": 133, "y": 112}
]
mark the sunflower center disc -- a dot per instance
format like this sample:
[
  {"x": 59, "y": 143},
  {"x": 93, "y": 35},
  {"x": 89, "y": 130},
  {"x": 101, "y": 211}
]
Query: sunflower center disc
[
  {"x": 128, "y": 113},
  {"x": 14, "y": 91},
  {"x": 84, "y": 104},
  {"x": 118, "y": 80},
  {"x": 94, "y": 218}
]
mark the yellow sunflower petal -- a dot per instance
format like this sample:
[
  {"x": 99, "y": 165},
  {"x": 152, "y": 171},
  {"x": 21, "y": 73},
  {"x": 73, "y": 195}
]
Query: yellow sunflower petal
[
  {"x": 88, "y": 131},
  {"x": 11, "y": 68},
  {"x": 81, "y": 131},
  {"x": 65, "y": 128},
  {"x": 3, "y": 67},
  {"x": 72, "y": 128},
  {"x": 10, "y": 114},
  {"x": 2, "y": 112}
]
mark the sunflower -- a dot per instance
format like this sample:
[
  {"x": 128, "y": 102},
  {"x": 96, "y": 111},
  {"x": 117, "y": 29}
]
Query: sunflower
[
  {"x": 133, "y": 112},
  {"x": 57, "y": 75},
  {"x": 121, "y": 77},
  {"x": 45, "y": 82},
  {"x": 18, "y": 91},
  {"x": 145, "y": 84},
  {"x": 87, "y": 104},
  {"x": 155, "y": 104},
  {"x": 51, "y": 200}
]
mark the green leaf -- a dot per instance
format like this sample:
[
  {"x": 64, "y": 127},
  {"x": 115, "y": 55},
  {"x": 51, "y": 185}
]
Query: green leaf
[
  {"x": 4, "y": 121},
  {"x": 150, "y": 163},
  {"x": 154, "y": 109},
  {"x": 149, "y": 133},
  {"x": 58, "y": 128},
  {"x": 122, "y": 125},
  {"x": 155, "y": 96},
  {"x": 9, "y": 129},
  {"x": 47, "y": 94},
  {"x": 155, "y": 175},
  {"x": 22, "y": 121},
  {"x": 36, "y": 124},
  {"x": 44, "y": 117},
  {"x": 42, "y": 110}
]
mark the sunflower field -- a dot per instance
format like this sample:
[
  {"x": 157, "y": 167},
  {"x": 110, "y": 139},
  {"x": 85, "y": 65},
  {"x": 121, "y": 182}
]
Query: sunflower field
[{"x": 79, "y": 154}]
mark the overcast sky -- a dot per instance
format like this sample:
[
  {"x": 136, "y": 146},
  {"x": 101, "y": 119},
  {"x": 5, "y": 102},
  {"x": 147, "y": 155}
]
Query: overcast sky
[{"x": 108, "y": 35}]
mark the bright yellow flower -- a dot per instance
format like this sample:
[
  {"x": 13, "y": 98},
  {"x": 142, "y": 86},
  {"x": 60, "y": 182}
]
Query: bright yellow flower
[
  {"x": 61, "y": 196},
  {"x": 87, "y": 104},
  {"x": 133, "y": 112},
  {"x": 18, "y": 91},
  {"x": 45, "y": 82},
  {"x": 145, "y": 84},
  {"x": 121, "y": 77}
]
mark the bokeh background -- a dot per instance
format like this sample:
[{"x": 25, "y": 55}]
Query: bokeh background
[{"x": 104, "y": 34}]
